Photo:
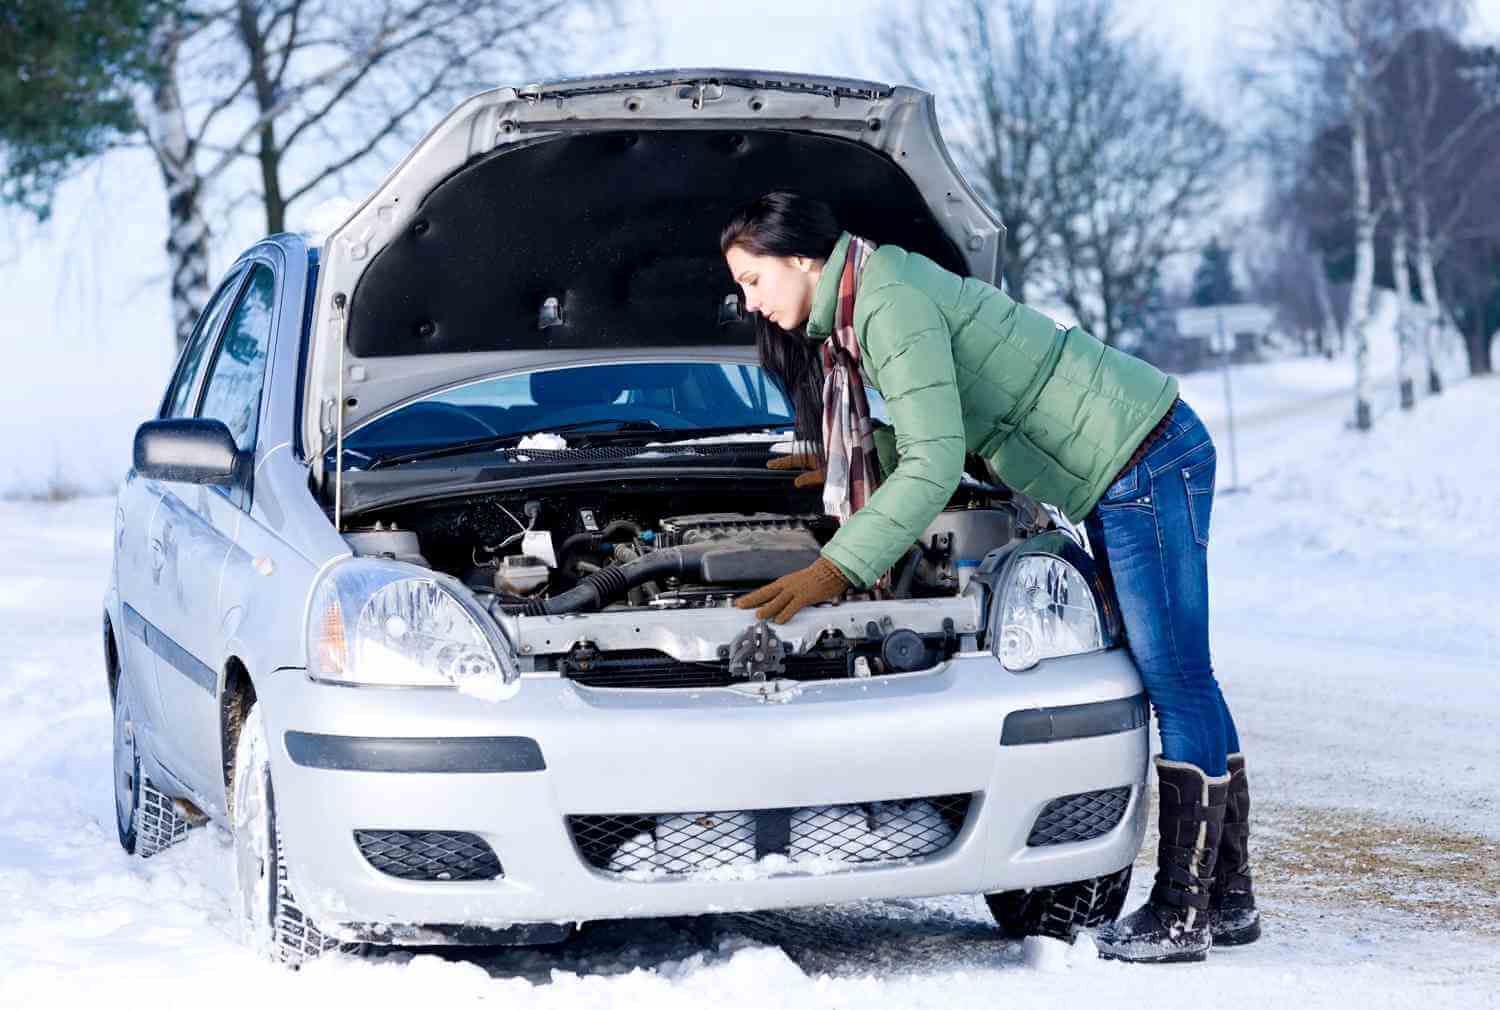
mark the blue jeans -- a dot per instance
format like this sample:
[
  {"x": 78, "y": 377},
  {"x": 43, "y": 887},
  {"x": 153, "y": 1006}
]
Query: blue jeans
[{"x": 1149, "y": 533}]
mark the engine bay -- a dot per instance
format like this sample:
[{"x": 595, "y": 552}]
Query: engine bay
[
  {"x": 664, "y": 550},
  {"x": 613, "y": 555}
]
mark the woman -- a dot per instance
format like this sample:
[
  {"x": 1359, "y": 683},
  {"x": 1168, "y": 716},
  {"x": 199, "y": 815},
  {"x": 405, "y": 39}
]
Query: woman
[{"x": 1098, "y": 434}]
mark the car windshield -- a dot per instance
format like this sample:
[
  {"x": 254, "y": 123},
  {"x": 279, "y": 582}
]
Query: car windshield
[{"x": 649, "y": 396}]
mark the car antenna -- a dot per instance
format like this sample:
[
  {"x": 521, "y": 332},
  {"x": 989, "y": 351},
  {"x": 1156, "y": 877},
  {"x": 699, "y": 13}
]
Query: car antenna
[{"x": 339, "y": 300}]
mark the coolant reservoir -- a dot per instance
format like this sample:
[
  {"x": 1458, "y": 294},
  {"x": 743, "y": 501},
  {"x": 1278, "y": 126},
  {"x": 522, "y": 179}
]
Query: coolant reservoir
[{"x": 972, "y": 533}]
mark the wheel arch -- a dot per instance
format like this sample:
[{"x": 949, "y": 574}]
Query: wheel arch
[
  {"x": 111, "y": 658},
  {"x": 235, "y": 699}
]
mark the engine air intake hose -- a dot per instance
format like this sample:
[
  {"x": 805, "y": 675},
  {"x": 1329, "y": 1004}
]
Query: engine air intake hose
[{"x": 608, "y": 584}]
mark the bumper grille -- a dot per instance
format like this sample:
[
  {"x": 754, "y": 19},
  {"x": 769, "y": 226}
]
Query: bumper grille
[
  {"x": 672, "y": 844},
  {"x": 651, "y": 668},
  {"x": 429, "y": 855},
  {"x": 1080, "y": 817}
]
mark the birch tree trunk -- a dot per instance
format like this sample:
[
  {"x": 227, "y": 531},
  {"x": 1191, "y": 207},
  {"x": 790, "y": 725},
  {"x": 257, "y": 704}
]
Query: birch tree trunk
[
  {"x": 1427, "y": 280},
  {"x": 1364, "y": 249},
  {"x": 1330, "y": 337},
  {"x": 187, "y": 235},
  {"x": 1407, "y": 319}
]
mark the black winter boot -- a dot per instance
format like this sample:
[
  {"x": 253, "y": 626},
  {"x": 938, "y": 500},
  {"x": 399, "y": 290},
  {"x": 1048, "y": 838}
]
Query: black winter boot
[
  {"x": 1231, "y": 904},
  {"x": 1174, "y": 925}
]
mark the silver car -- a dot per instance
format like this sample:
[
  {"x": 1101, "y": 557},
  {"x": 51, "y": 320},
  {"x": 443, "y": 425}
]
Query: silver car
[{"x": 423, "y": 575}]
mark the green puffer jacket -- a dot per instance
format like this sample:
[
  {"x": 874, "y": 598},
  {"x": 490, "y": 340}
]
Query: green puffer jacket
[{"x": 964, "y": 368}]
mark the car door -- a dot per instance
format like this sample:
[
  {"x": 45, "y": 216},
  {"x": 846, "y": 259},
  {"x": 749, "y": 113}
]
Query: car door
[
  {"x": 197, "y": 527},
  {"x": 138, "y": 550}
]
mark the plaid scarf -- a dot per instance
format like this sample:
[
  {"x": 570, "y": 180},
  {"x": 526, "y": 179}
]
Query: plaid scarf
[{"x": 853, "y": 468}]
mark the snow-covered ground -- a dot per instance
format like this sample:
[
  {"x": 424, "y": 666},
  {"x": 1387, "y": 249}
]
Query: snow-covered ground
[{"x": 1356, "y": 630}]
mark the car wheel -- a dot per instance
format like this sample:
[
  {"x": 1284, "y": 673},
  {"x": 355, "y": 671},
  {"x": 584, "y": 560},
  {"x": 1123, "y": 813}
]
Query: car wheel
[
  {"x": 271, "y": 921},
  {"x": 1061, "y": 910},
  {"x": 145, "y": 818}
]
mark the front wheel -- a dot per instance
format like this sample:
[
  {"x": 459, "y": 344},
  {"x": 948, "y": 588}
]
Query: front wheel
[
  {"x": 271, "y": 922},
  {"x": 1060, "y": 910}
]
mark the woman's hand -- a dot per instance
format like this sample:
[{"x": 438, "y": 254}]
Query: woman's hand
[
  {"x": 819, "y": 582},
  {"x": 806, "y": 461}
]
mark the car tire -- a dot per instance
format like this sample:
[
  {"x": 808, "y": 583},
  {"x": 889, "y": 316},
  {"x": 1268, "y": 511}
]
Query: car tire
[
  {"x": 1061, "y": 910},
  {"x": 271, "y": 921},
  {"x": 146, "y": 819}
]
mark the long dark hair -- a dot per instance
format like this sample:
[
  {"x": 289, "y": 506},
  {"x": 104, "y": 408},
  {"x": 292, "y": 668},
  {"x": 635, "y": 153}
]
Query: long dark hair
[{"x": 786, "y": 223}]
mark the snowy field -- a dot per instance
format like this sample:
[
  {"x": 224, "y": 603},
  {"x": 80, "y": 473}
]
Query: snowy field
[{"x": 1356, "y": 630}]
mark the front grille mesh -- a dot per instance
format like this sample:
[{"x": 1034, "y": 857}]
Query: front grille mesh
[
  {"x": 429, "y": 855},
  {"x": 648, "y": 668},
  {"x": 1079, "y": 817},
  {"x": 641, "y": 845}
]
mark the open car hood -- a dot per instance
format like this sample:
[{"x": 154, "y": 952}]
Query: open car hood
[{"x": 583, "y": 217}]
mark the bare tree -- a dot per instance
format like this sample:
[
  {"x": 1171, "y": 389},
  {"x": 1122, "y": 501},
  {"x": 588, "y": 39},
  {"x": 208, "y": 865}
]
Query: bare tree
[
  {"x": 1308, "y": 207},
  {"x": 1144, "y": 166},
  {"x": 1092, "y": 153},
  {"x": 1433, "y": 131},
  {"x": 164, "y": 123},
  {"x": 311, "y": 94},
  {"x": 1319, "y": 78},
  {"x": 992, "y": 66},
  {"x": 1441, "y": 125}
]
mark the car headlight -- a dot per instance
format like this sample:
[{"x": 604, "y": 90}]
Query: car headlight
[
  {"x": 1046, "y": 608},
  {"x": 389, "y": 624}
]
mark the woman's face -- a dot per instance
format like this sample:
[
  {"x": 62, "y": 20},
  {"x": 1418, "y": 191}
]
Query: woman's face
[{"x": 778, "y": 287}]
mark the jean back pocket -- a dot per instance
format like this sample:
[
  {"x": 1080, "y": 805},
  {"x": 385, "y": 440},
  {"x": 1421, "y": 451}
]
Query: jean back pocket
[{"x": 1199, "y": 480}]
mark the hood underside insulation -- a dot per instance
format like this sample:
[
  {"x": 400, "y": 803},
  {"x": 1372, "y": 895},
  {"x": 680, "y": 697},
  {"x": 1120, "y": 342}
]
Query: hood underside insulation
[{"x": 622, "y": 229}]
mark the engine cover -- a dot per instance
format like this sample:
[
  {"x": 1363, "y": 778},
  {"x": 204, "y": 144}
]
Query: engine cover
[
  {"x": 747, "y": 548},
  {"x": 690, "y": 529}
]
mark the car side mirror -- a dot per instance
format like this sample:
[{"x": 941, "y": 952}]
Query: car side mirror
[{"x": 193, "y": 450}]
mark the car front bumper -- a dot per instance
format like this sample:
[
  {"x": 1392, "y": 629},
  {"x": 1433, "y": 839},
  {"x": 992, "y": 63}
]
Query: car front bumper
[{"x": 512, "y": 772}]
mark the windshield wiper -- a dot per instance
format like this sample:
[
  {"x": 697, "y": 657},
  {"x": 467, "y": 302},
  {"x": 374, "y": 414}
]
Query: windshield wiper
[
  {"x": 633, "y": 424},
  {"x": 728, "y": 429}
]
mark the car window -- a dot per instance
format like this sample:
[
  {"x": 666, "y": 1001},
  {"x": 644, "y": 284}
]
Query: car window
[
  {"x": 177, "y": 403},
  {"x": 667, "y": 394},
  {"x": 239, "y": 366}
]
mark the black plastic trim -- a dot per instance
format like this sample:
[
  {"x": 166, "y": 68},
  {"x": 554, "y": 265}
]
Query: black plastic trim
[
  {"x": 1074, "y": 722},
  {"x": 135, "y": 624},
  {"x": 453, "y": 755},
  {"x": 1080, "y": 817},
  {"x": 170, "y": 652},
  {"x": 429, "y": 856},
  {"x": 184, "y": 662},
  {"x": 464, "y": 934}
]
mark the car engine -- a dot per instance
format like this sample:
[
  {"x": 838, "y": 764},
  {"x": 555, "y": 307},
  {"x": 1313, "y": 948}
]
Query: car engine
[{"x": 578, "y": 551}]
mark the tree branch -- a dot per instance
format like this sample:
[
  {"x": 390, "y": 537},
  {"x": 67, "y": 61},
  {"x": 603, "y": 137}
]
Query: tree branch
[{"x": 389, "y": 127}]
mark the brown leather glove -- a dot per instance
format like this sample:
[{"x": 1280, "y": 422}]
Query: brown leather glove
[
  {"x": 819, "y": 582},
  {"x": 800, "y": 461}
]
